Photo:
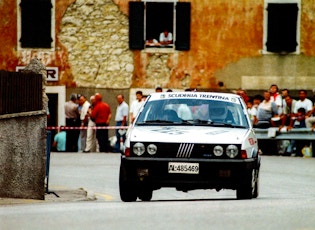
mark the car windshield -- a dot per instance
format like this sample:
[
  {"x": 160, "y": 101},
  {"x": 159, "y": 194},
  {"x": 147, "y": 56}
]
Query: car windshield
[{"x": 192, "y": 112}]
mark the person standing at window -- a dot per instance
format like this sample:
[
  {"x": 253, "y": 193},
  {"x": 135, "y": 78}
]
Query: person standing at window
[
  {"x": 152, "y": 42},
  {"x": 166, "y": 37}
]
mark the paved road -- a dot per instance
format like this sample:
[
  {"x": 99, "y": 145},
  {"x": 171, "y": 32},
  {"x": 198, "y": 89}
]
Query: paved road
[{"x": 286, "y": 201}]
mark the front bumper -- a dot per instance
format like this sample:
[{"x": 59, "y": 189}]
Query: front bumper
[{"x": 213, "y": 173}]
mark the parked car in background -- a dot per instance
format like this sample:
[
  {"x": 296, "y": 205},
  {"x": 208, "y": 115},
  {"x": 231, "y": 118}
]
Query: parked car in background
[{"x": 190, "y": 140}]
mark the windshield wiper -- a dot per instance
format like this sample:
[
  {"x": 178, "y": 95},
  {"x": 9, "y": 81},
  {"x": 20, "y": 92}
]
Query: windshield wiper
[
  {"x": 155, "y": 121},
  {"x": 196, "y": 122},
  {"x": 212, "y": 123},
  {"x": 227, "y": 125}
]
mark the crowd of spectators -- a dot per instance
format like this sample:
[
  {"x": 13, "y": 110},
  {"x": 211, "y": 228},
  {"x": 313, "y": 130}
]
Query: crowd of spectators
[
  {"x": 272, "y": 109},
  {"x": 87, "y": 123},
  {"x": 275, "y": 109}
]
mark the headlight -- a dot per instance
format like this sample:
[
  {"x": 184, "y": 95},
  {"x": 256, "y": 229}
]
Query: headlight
[
  {"x": 152, "y": 149},
  {"x": 138, "y": 149},
  {"x": 218, "y": 150},
  {"x": 232, "y": 151}
]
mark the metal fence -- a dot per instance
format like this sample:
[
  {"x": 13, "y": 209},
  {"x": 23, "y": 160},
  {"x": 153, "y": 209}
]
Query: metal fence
[{"x": 20, "y": 92}]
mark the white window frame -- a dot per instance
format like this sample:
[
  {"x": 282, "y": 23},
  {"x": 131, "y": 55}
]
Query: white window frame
[
  {"x": 61, "y": 91},
  {"x": 19, "y": 29},
  {"x": 162, "y": 50},
  {"x": 298, "y": 24}
]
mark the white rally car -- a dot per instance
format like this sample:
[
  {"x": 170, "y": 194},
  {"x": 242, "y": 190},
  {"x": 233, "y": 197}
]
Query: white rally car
[{"x": 190, "y": 140}]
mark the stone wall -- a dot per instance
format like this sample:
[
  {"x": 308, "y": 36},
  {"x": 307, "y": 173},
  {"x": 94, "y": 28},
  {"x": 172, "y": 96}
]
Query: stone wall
[{"x": 96, "y": 36}]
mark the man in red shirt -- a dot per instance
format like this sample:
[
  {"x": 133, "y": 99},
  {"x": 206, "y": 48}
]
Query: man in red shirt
[{"x": 101, "y": 115}]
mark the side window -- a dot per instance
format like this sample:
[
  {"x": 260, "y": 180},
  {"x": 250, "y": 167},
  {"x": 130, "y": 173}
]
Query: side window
[
  {"x": 35, "y": 24},
  {"x": 147, "y": 20},
  {"x": 281, "y": 32}
]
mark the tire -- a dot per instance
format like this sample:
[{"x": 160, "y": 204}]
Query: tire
[
  {"x": 145, "y": 193},
  {"x": 246, "y": 189},
  {"x": 127, "y": 189}
]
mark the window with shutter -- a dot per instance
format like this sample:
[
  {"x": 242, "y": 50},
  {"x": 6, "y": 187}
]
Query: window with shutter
[
  {"x": 35, "y": 19},
  {"x": 281, "y": 27},
  {"x": 148, "y": 19}
]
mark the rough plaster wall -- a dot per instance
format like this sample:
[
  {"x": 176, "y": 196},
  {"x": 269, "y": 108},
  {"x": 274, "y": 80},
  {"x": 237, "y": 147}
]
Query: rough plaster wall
[
  {"x": 22, "y": 156},
  {"x": 273, "y": 66}
]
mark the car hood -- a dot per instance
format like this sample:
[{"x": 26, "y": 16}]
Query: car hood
[{"x": 192, "y": 134}]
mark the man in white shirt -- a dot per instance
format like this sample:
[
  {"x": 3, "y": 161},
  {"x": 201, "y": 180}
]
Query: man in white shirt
[
  {"x": 136, "y": 105},
  {"x": 307, "y": 104},
  {"x": 91, "y": 145},
  {"x": 304, "y": 102},
  {"x": 166, "y": 38},
  {"x": 121, "y": 119},
  {"x": 85, "y": 105}
]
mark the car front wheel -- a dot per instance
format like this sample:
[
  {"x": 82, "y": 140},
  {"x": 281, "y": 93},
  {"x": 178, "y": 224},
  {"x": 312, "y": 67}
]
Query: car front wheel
[
  {"x": 248, "y": 188},
  {"x": 126, "y": 188}
]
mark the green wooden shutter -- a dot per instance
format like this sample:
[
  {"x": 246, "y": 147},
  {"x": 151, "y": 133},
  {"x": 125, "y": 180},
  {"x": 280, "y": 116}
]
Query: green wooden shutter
[
  {"x": 136, "y": 25},
  {"x": 182, "y": 26}
]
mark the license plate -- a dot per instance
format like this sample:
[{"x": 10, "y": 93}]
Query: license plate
[{"x": 187, "y": 168}]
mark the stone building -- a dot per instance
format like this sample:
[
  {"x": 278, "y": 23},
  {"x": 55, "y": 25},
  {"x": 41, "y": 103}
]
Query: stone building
[{"x": 93, "y": 46}]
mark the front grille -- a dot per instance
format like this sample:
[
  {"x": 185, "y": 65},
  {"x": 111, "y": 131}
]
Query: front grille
[{"x": 185, "y": 150}]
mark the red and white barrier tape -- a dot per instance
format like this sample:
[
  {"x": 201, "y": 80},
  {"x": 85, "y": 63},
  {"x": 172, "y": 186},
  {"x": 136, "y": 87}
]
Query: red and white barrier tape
[{"x": 86, "y": 127}]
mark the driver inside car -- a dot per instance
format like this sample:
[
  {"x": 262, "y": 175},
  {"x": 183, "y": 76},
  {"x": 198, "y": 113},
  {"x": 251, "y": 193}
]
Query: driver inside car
[{"x": 220, "y": 114}]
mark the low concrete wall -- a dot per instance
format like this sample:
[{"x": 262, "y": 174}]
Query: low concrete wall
[{"x": 23, "y": 155}]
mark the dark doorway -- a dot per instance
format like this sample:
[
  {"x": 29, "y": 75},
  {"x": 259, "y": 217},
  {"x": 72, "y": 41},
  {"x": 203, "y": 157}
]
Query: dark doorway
[{"x": 53, "y": 110}]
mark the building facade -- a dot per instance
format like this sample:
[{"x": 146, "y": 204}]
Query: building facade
[{"x": 99, "y": 45}]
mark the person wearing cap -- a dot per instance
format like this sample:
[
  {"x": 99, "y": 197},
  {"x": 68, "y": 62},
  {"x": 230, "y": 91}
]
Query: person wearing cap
[
  {"x": 101, "y": 115},
  {"x": 72, "y": 120}
]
